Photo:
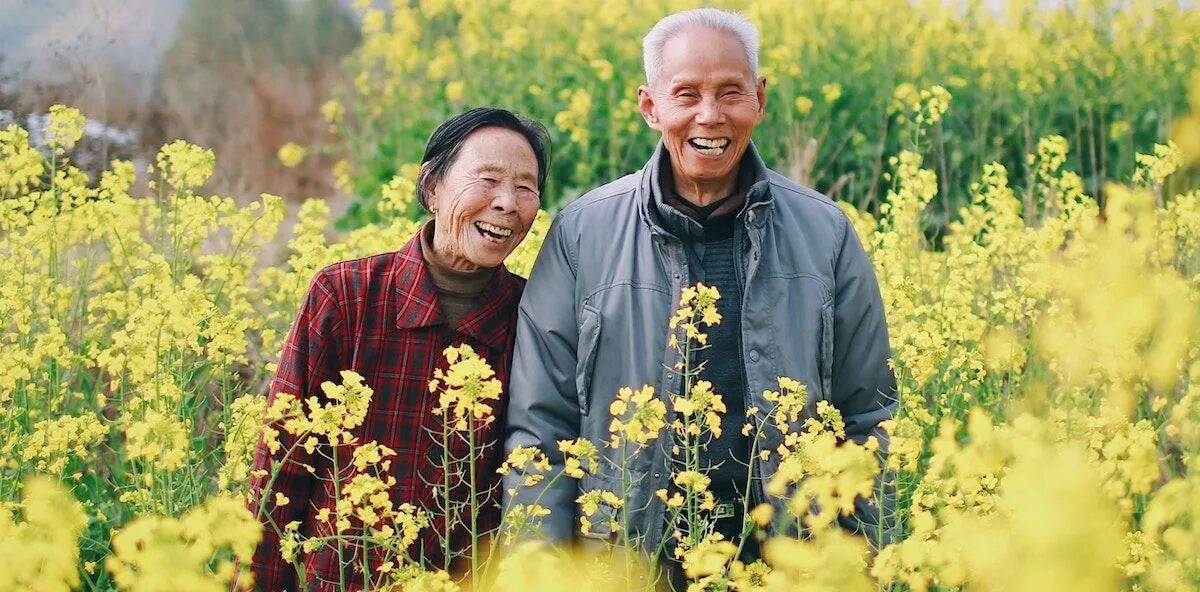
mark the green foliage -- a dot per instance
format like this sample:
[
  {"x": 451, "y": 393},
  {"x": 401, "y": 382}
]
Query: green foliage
[{"x": 1108, "y": 75}]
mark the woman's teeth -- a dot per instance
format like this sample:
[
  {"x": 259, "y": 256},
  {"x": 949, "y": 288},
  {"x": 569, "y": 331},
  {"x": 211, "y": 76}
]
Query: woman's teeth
[
  {"x": 493, "y": 231},
  {"x": 709, "y": 147}
]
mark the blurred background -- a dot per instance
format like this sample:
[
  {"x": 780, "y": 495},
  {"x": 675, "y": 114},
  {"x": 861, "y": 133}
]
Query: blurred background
[{"x": 240, "y": 77}]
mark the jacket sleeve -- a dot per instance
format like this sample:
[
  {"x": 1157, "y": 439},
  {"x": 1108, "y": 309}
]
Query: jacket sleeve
[
  {"x": 544, "y": 407},
  {"x": 864, "y": 386},
  {"x": 309, "y": 357}
]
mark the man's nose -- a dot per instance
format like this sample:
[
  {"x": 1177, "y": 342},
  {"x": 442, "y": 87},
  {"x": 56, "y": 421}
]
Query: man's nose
[{"x": 709, "y": 111}]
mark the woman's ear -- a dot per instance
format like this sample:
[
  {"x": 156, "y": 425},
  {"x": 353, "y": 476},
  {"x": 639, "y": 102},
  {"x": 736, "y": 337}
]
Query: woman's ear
[{"x": 427, "y": 188}]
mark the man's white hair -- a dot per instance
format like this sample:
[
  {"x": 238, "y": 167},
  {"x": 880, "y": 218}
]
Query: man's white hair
[{"x": 712, "y": 18}]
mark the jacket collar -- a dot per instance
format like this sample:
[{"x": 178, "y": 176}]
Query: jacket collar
[
  {"x": 663, "y": 218},
  {"x": 417, "y": 302}
]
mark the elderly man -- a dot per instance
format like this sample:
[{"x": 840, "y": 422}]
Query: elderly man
[{"x": 798, "y": 295}]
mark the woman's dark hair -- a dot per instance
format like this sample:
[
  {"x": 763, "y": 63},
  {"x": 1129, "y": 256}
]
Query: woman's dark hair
[{"x": 448, "y": 138}]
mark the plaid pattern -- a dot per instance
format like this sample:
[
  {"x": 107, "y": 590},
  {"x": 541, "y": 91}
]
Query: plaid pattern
[{"x": 380, "y": 317}]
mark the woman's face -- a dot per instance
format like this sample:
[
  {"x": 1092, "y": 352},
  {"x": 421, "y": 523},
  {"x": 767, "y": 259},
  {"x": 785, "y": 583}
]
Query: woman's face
[{"x": 487, "y": 201}]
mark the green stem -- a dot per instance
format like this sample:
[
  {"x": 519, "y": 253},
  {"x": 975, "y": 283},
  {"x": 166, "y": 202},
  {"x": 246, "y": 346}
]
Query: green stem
[
  {"x": 337, "y": 495},
  {"x": 625, "y": 494},
  {"x": 448, "y": 519},
  {"x": 474, "y": 526},
  {"x": 746, "y": 522},
  {"x": 53, "y": 254}
]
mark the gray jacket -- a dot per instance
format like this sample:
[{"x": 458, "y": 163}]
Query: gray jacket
[{"x": 594, "y": 314}]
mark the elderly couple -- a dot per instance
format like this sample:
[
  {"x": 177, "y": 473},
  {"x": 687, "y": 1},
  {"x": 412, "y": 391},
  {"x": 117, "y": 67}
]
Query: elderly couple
[{"x": 798, "y": 295}]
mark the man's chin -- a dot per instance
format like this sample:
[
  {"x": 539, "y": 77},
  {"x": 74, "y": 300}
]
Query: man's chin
[
  {"x": 707, "y": 176},
  {"x": 710, "y": 168}
]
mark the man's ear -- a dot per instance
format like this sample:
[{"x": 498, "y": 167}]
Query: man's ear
[
  {"x": 646, "y": 107},
  {"x": 760, "y": 89}
]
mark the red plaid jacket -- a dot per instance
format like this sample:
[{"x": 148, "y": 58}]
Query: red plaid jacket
[{"x": 380, "y": 317}]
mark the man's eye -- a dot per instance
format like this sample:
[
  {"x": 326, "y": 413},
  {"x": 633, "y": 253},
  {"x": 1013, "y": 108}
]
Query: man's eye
[{"x": 488, "y": 179}]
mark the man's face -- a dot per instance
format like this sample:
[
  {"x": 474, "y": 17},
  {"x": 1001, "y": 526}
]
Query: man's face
[
  {"x": 706, "y": 103},
  {"x": 487, "y": 201}
]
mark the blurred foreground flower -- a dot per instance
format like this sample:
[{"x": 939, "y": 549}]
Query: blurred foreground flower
[
  {"x": 41, "y": 551},
  {"x": 155, "y": 553}
]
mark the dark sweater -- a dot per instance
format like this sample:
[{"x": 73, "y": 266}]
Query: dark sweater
[{"x": 722, "y": 364}]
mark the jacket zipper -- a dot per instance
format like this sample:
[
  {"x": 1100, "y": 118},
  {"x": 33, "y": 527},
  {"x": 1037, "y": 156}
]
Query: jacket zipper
[{"x": 740, "y": 238}]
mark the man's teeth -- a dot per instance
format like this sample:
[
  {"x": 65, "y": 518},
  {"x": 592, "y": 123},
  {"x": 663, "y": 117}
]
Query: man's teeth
[
  {"x": 493, "y": 230},
  {"x": 707, "y": 146}
]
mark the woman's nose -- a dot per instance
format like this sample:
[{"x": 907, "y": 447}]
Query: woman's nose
[{"x": 505, "y": 198}]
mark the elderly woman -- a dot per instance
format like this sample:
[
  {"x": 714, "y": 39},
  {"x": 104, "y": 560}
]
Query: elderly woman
[{"x": 389, "y": 317}]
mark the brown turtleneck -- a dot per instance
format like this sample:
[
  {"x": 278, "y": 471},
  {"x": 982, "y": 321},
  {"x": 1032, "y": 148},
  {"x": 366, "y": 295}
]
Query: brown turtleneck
[{"x": 458, "y": 291}]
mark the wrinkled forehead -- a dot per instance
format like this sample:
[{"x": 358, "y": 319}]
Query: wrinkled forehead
[
  {"x": 498, "y": 150},
  {"x": 704, "y": 52}
]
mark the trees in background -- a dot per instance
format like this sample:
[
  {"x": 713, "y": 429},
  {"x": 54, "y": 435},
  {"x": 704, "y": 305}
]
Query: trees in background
[{"x": 245, "y": 78}]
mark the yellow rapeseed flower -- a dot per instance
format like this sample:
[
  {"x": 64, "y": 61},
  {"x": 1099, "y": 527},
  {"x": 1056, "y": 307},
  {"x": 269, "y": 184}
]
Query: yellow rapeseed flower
[
  {"x": 291, "y": 154},
  {"x": 64, "y": 128},
  {"x": 185, "y": 166}
]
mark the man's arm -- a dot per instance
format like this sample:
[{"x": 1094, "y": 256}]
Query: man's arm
[
  {"x": 864, "y": 386},
  {"x": 543, "y": 403},
  {"x": 309, "y": 357}
]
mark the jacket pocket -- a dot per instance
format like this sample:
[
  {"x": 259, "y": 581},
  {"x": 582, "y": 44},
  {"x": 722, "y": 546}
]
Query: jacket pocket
[
  {"x": 589, "y": 345},
  {"x": 826, "y": 351},
  {"x": 603, "y": 523}
]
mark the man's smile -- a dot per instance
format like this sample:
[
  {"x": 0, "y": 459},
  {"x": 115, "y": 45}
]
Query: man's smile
[{"x": 709, "y": 146}]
